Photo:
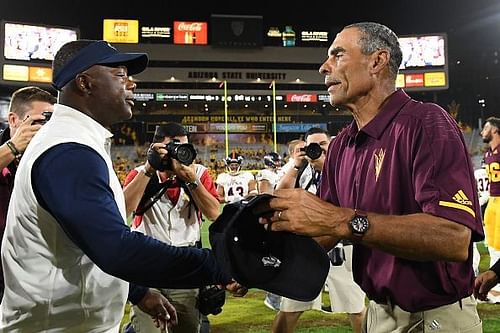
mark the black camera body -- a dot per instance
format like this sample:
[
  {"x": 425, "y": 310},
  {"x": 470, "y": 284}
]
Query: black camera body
[
  {"x": 211, "y": 299},
  {"x": 185, "y": 153},
  {"x": 313, "y": 150},
  {"x": 47, "y": 115}
]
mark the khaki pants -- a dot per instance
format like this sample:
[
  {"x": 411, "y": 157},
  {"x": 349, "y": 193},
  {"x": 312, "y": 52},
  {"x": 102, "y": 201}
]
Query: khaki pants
[
  {"x": 184, "y": 301},
  {"x": 382, "y": 318}
]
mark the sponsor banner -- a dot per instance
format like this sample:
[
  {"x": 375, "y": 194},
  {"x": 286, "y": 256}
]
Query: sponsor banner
[
  {"x": 121, "y": 31},
  {"x": 414, "y": 80},
  {"x": 298, "y": 128},
  {"x": 144, "y": 97},
  {"x": 156, "y": 32},
  {"x": 165, "y": 97},
  {"x": 15, "y": 73},
  {"x": 190, "y": 33},
  {"x": 314, "y": 36},
  {"x": 235, "y": 127},
  {"x": 435, "y": 79},
  {"x": 302, "y": 98},
  {"x": 325, "y": 98}
]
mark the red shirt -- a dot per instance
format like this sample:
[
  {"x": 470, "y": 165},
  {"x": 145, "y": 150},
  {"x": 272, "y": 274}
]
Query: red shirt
[
  {"x": 174, "y": 191},
  {"x": 411, "y": 158}
]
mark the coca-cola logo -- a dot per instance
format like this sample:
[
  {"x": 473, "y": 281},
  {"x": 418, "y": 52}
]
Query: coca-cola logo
[
  {"x": 193, "y": 26},
  {"x": 301, "y": 98}
]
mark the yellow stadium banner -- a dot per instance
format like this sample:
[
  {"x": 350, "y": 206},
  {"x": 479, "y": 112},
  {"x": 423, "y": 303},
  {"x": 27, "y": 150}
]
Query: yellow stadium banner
[
  {"x": 40, "y": 74},
  {"x": 435, "y": 79},
  {"x": 15, "y": 72},
  {"x": 121, "y": 31}
]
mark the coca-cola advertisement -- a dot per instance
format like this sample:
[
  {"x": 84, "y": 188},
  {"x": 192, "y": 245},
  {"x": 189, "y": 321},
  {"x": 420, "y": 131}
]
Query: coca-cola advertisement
[
  {"x": 190, "y": 33},
  {"x": 302, "y": 98}
]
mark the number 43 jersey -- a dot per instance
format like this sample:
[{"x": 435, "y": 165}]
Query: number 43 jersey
[{"x": 235, "y": 186}]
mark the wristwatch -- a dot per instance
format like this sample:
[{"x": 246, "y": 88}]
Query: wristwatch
[
  {"x": 359, "y": 225},
  {"x": 192, "y": 185}
]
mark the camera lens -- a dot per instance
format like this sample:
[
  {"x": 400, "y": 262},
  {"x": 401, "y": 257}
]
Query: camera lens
[
  {"x": 313, "y": 151},
  {"x": 185, "y": 154}
]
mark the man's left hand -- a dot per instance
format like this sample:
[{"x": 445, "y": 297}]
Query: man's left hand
[{"x": 159, "y": 308}]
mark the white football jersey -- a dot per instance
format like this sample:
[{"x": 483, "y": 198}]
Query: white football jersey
[
  {"x": 271, "y": 175},
  {"x": 483, "y": 185},
  {"x": 235, "y": 186}
]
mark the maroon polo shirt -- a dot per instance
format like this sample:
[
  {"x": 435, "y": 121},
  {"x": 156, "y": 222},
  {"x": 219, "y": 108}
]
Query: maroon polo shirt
[{"x": 411, "y": 158}]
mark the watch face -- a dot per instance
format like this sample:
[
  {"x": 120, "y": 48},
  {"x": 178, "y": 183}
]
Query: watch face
[{"x": 359, "y": 224}]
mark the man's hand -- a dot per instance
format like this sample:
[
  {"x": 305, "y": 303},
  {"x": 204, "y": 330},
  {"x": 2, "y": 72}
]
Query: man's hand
[
  {"x": 301, "y": 212},
  {"x": 186, "y": 173},
  {"x": 483, "y": 284},
  {"x": 236, "y": 289},
  {"x": 25, "y": 132},
  {"x": 159, "y": 308}
]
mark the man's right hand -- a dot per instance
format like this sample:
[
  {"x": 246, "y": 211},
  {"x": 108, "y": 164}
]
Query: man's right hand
[
  {"x": 25, "y": 132},
  {"x": 483, "y": 284}
]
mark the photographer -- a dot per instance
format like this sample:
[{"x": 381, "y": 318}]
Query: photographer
[
  {"x": 25, "y": 116},
  {"x": 169, "y": 198},
  {"x": 345, "y": 294}
]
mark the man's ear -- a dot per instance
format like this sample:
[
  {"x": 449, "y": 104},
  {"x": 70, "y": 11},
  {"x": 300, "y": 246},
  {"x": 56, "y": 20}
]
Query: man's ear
[
  {"x": 83, "y": 83},
  {"x": 379, "y": 61},
  {"x": 12, "y": 118}
]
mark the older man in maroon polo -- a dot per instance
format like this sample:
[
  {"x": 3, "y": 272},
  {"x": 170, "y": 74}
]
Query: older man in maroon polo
[{"x": 399, "y": 183}]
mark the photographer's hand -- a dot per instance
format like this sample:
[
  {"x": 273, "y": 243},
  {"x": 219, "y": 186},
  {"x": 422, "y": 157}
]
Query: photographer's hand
[{"x": 186, "y": 173}]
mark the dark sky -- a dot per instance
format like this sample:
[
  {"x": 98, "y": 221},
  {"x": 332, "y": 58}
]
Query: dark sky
[{"x": 472, "y": 26}]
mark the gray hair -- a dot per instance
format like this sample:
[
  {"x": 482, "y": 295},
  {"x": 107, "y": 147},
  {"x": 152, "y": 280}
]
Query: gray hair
[{"x": 376, "y": 36}]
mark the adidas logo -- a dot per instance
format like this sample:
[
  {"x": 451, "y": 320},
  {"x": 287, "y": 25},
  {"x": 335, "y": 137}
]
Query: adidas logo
[{"x": 461, "y": 198}]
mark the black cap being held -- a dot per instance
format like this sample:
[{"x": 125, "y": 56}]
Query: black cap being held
[{"x": 279, "y": 262}]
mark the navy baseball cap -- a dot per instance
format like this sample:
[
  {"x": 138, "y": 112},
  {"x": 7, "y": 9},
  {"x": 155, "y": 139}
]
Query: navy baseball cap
[
  {"x": 99, "y": 53},
  {"x": 282, "y": 263}
]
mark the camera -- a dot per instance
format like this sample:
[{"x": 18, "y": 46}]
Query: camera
[
  {"x": 313, "y": 150},
  {"x": 211, "y": 299},
  {"x": 183, "y": 152},
  {"x": 47, "y": 115}
]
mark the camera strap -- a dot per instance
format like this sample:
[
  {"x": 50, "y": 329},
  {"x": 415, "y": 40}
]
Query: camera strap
[
  {"x": 299, "y": 174},
  {"x": 153, "y": 192}
]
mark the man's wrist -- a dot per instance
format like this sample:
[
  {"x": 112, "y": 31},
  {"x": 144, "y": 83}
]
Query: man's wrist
[
  {"x": 13, "y": 149},
  {"x": 148, "y": 173}
]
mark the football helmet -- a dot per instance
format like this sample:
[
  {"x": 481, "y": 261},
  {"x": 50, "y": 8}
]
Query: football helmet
[
  {"x": 233, "y": 163},
  {"x": 272, "y": 160}
]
